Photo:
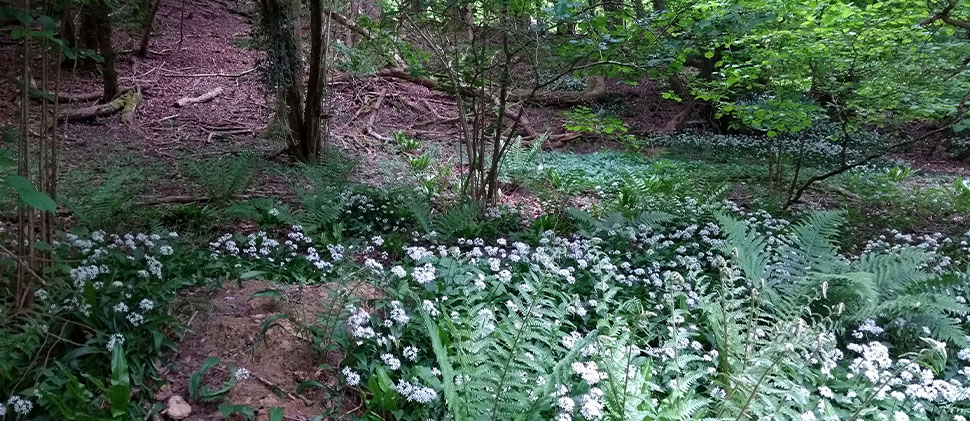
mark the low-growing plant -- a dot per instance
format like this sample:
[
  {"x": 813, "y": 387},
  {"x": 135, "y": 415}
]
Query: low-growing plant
[
  {"x": 222, "y": 178},
  {"x": 201, "y": 392},
  {"x": 405, "y": 143}
]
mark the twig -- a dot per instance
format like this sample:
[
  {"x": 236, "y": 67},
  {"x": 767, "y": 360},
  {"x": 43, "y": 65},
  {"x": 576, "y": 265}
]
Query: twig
[
  {"x": 23, "y": 264},
  {"x": 192, "y": 199},
  {"x": 273, "y": 387}
]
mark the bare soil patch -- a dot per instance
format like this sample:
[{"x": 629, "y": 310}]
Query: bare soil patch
[{"x": 226, "y": 323}]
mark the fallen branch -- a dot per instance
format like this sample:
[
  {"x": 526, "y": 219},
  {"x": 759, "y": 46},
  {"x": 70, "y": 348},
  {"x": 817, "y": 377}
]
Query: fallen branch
[
  {"x": 229, "y": 75},
  {"x": 38, "y": 94},
  {"x": 276, "y": 389},
  {"x": 376, "y": 109},
  {"x": 179, "y": 200},
  {"x": 560, "y": 140},
  {"x": 796, "y": 196},
  {"x": 206, "y": 97},
  {"x": 399, "y": 73}
]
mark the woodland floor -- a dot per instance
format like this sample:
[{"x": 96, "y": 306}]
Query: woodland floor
[
  {"x": 227, "y": 323},
  {"x": 210, "y": 50}
]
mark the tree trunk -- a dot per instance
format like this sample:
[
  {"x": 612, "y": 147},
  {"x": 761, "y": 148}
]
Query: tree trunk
[
  {"x": 147, "y": 30},
  {"x": 308, "y": 146},
  {"x": 659, "y": 5},
  {"x": 68, "y": 30},
  {"x": 96, "y": 24}
]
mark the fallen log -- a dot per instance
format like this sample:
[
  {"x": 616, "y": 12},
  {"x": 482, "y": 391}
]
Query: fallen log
[
  {"x": 125, "y": 104},
  {"x": 38, "y": 94},
  {"x": 595, "y": 91},
  {"x": 206, "y": 97}
]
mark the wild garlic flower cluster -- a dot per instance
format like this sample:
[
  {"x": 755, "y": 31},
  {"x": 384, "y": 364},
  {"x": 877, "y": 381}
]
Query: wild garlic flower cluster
[
  {"x": 936, "y": 245},
  {"x": 125, "y": 273},
  {"x": 19, "y": 405},
  {"x": 483, "y": 288},
  {"x": 814, "y": 144},
  {"x": 294, "y": 248}
]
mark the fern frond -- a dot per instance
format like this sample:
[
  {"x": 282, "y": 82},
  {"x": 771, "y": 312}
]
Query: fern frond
[{"x": 748, "y": 247}]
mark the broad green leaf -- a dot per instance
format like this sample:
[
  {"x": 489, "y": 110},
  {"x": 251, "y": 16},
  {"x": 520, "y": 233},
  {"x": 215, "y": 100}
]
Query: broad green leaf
[
  {"x": 120, "y": 393},
  {"x": 276, "y": 414}
]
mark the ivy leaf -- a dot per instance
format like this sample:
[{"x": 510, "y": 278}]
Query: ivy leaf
[{"x": 276, "y": 414}]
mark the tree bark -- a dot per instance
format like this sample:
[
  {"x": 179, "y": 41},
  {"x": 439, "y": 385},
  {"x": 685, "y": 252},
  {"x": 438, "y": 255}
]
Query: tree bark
[
  {"x": 308, "y": 146},
  {"x": 147, "y": 30},
  {"x": 96, "y": 24}
]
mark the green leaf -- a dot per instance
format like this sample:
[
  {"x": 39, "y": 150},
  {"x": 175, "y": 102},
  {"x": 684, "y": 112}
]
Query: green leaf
[
  {"x": 268, "y": 293},
  {"x": 49, "y": 23},
  {"x": 22, "y": 16},
  {"x": 269, "y": 323},
  {"x": 120, "y": 393},
  {"x": 228, "y": 410},
  {"x": 17, "y": 182},
  {"x": 29, "y": 194},
  {"x": 276, "y": 414},
  {"x": 962, "y": 125},
  {"x": 310, "y": 383},
  {"x": 251, "y": 275},
  {"x": 195, "y": 381}
]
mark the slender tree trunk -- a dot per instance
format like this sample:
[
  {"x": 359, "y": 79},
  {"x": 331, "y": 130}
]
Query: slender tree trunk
[
  {"x": 147, "y": 30},
  {"x": 309, "y": 143}
]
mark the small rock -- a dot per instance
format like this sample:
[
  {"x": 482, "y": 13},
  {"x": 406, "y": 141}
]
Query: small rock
[{"x": 177, "y": 408}]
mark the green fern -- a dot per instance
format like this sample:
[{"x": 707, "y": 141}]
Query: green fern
[
  {"x": 98, "y": 203},
  {"x": 221, "y": 178},
  {"x": 459, "y": 220},
  {"x": 810, "y": 271},
  {"x": 494, "y": 353}
]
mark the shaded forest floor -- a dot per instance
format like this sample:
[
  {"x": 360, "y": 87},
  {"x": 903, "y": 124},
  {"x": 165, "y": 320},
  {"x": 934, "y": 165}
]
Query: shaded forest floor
[{"x": 208, "y": 45}]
